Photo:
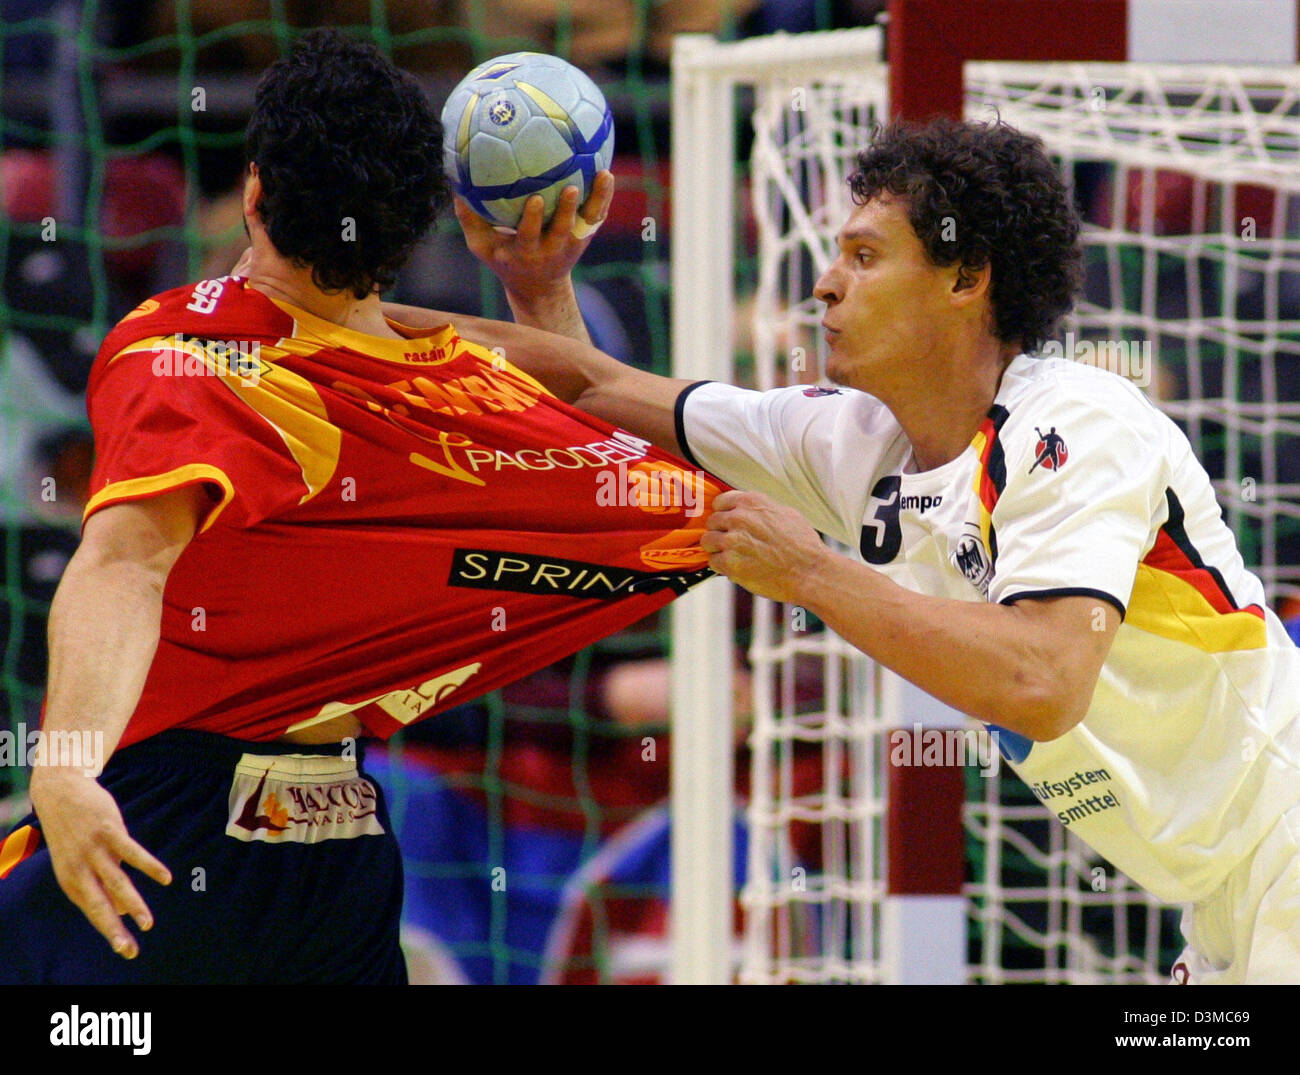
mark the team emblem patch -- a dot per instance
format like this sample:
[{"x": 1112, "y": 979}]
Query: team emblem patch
[
  {"x": 973, "y": 562},
  {"x": 1050, "y": 453}
]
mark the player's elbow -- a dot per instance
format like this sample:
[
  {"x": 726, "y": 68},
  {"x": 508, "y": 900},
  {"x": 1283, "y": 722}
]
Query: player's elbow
[
  {"x": 1047, "y": 707},
  {"x": 1055, "y": 656}
]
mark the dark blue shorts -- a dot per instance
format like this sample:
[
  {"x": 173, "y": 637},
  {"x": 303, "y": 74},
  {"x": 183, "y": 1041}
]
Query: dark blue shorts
[{"x": 284, "y": 870}]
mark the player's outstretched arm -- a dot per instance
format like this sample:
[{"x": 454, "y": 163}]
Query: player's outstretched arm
[
  {"x": 1030, "y": 667},
  {"x": 104, "y": 630},
  {"x": 534, "y": 263},
  {"x": 642, "y": 403}
]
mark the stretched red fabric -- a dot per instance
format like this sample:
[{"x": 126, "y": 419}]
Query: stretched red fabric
[{"x": 396, "y": 525}]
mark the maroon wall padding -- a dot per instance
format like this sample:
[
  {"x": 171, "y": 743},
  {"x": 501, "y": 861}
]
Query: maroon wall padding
[
  {"x": 923, "y": 829},
  {"x": 929, "y": 40}
]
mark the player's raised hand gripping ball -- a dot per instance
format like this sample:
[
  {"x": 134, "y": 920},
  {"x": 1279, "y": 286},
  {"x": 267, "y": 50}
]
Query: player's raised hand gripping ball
[{"x": 524, "y": 124}]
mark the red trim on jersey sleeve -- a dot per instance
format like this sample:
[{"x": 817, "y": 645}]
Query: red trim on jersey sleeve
[
  {"x": 1166, "y": 555},
  {"x": 993, "y": 468}
]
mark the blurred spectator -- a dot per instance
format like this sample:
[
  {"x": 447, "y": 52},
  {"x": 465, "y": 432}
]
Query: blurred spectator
[
  {"x": 47, "y": 272},
  {"x": 414, "y": 23},
  {"x": 45, "y": 464},
  {"x": 595, "y": 33},
  {"x": 37, "y": 419}
]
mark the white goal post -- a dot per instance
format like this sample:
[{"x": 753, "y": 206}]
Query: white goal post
[{"x": 1188, "y": 181}]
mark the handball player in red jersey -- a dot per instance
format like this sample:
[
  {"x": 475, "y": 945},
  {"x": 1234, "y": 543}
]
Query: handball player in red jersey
[{"x": 309, "y": 525}]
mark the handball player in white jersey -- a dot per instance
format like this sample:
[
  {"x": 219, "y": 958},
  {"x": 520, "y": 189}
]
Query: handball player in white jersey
[{"x": 1038, "y": 545}]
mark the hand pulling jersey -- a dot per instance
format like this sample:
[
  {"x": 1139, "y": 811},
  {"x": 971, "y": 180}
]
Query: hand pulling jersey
[
  {"x": 1074, "y": 484},
  {"x": 396, "y": 525}
]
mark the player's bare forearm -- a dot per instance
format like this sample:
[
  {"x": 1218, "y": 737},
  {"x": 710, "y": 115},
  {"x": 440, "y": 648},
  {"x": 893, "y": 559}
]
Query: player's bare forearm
[
  {"x": 1030, "y": 667},
  {"x": 983, "y": 659},
  {"x": 642, "y": 403},
  {"x": 577, "y": 373},
  {"x": 554, "y": 309},
  {"x": 104, "y": 630},
  {"x": 105, "y": 617}
]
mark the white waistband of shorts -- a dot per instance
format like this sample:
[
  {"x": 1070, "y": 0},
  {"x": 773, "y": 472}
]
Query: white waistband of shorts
[{"x": 298, "y": 766}]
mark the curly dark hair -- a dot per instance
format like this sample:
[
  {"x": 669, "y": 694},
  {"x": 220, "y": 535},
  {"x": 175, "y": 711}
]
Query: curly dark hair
[
  {"x": 984, "y": 194},
  {"x": 349, "y": 151}
]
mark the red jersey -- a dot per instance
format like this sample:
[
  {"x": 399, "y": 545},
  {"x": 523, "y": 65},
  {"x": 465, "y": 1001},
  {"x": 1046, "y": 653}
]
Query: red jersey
[{"x": 396, "y": 525}]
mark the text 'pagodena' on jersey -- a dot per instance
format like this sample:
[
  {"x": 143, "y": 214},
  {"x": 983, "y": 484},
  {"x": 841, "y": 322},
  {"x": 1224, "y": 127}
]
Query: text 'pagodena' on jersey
[{"x": 396, "y": 525}]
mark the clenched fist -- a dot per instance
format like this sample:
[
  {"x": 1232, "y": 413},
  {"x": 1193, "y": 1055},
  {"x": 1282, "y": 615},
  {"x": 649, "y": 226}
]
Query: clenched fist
[{"x": 763, "y": 546}]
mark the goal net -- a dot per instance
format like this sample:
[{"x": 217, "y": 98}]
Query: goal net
[{"x": 1186, "y": 179}]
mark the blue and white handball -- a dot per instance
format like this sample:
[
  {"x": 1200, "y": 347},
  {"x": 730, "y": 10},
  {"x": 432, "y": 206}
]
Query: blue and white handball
[{"x": 524, "y": 124}]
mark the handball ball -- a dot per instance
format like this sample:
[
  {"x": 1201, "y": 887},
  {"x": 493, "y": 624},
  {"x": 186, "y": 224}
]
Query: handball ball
[{"x": 524, "y": 124}]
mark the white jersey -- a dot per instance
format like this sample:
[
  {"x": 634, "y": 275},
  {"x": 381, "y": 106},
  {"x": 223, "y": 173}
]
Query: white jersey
[{"x": 1074, "y": 484}]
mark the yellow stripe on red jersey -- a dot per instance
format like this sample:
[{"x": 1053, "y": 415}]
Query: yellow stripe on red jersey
[{"x": 397, "y": 525}]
